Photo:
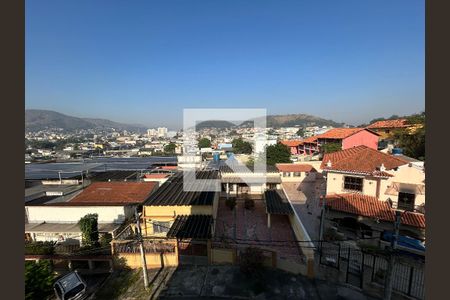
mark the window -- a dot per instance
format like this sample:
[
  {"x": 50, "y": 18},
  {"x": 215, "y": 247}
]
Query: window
[
  {"x": 387, "y": 131},
  {"x": 286, "y": 174},
  {"x": 353, "y": 183},
  {"x": 406, "y": 201},
  {"x": 161, "y": 227},
  {"x": 297, "y": 174}
]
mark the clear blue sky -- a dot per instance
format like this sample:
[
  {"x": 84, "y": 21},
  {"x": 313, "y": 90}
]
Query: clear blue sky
[{"x": 144, "y": 61}]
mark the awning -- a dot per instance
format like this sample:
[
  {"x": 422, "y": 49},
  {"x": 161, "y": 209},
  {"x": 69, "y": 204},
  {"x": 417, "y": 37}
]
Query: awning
[
  {"x": 396, "y": 187},
  {"x": 192, "y": 226},
  {"x": 276, "y": 203}
]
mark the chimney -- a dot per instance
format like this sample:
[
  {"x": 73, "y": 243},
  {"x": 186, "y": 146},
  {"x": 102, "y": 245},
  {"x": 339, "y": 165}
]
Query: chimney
[
  {"x": 382, "y": 168},
  {"x": 329, "y": 164}
]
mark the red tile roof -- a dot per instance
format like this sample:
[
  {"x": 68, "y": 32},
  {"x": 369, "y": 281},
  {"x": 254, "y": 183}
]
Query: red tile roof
[
  {"x": 398, "y": 123},
  {"x": 293, "y": 143},
  {"x": 114, "y": 193},
  {"x": 341, "y": 133},
  {"x": 371, "y": 207},
  {"x": 295, "y": 168},
  {"x": 361, "y": 159},
  {"x": 311, "y": 139},
  {"x": 168, "y": 167},
  {"x": 156, "y": 175}
]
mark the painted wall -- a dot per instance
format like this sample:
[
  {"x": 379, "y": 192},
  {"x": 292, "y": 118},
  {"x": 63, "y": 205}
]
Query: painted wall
[
  {"x": 363, "y": 137},
  {"x": 404, "y": 174},
  {"x": 153, "y": 260},
  {"x": 303, "y": 177},
  {"x": 72, "y": 214}
]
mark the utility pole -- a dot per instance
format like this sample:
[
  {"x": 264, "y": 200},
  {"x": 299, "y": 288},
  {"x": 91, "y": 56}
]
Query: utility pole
[
  {"x": 141, "y": 247},
  {"x": 390, "y": 270}
]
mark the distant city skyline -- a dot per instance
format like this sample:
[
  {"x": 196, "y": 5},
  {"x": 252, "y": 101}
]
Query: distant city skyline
[{"x": 348, "y": 61}]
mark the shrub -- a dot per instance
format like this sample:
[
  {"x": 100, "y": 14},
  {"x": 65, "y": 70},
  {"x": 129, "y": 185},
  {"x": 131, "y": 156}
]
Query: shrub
[
  {"x": 39, "y": 248},
  {"x": 249, "y": 203},
  {"x": 231, "y": 203},
  {"x": 89, "y": 229},
  {"x": 105, "y": 239},
  {"x": 38, "y": 280},
  {"x": 251, "y": 261}
]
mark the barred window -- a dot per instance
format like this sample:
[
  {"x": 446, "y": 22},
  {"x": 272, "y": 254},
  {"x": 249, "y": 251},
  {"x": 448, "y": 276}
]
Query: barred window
[
  {"x": 353, "y": 183},
  {"x": 406, "y": 201},
  {"x": 297, "y": 174}
]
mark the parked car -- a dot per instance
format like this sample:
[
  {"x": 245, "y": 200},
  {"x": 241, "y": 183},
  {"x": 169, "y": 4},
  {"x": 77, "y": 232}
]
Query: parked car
[{"x": 70, "y": 287}]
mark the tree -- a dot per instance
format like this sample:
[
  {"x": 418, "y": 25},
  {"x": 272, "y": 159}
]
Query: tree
[
  {"x": 300, "y": 132},
  {"x": 278, "y": 153},
  {"x": 89, "y": 230},
  {"x": 170, "y": 148},
  {"x": 204, "y": 143},
  {"x": 413, "y": 145},
  {"x": 38, "y": 280},
  {"x": 331, "y": 147},
  {"x": 241, "y": 147}
]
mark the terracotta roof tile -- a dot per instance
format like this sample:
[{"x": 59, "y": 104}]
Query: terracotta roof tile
[
  {"x": 398, "y": 123},
  {"x": 295, "y": 168},
  {"x": 114, "y": 193},
  {"x": 361, "y": 159},
  {"x": 371, "y": 207},
  {"x": 311, "y": 139},
  {"x": 293, "y": 143},
  {"x": 156, "y": 175},
  {"x": 340, "y": 133}
]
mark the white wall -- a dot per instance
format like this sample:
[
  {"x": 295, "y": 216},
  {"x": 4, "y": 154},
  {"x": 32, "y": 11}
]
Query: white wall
[{"x": 72, "y": 214}]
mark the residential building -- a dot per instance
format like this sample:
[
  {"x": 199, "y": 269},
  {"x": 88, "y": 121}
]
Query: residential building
[
  {"x": 387, "y": 128},
  {"x": 297, "y": 172},
  {"x": 55, "y": 218},
  {"x": 162, "y": 132},
  {"x": 370, "y": 172},
  {"x": 294, "y": 146}
]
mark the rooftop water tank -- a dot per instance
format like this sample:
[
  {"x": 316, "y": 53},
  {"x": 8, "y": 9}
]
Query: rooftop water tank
[{"x": 216, "y": 157}]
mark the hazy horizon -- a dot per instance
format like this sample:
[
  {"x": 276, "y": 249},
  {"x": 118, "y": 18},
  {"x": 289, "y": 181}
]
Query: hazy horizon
[{"x": 348, "y": 61}]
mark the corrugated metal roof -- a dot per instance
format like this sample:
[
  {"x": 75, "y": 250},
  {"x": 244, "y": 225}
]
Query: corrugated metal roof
[
  {"x": 172, "y": 192},
  {"x": 192, "y": 226},
  {"x": 276, "y": 203}
]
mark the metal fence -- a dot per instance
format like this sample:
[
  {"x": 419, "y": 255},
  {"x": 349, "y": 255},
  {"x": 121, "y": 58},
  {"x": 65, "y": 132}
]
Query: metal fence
[{"x": 359, "y": 268}]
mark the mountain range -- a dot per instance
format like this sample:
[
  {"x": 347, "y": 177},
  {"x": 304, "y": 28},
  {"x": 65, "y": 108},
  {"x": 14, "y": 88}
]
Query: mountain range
[{"x": 37, "y": 119}]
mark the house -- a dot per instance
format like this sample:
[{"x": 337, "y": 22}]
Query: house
[
  {"x": 297, "y": 172},
  {"x": 387, "y": 128},
  {"x": 183, "y": 218},
  {"x": 370, "y": 172},
  {"x": 156, "y": 177},
  {"x": 240, "y": 179},
  {"x": 362, "y": 216},
  {"x": 293, "y": 146},
  {"x": 55, "y": 218}
]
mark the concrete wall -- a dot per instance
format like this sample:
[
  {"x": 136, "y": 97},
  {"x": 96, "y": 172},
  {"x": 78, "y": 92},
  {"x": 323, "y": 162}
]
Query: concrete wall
[
  {"x": 72, "y": 214},
  {"x": 363, "y": 137},
  {"x": 154, "y": 260},
  {"x": 223, "y": 256}
]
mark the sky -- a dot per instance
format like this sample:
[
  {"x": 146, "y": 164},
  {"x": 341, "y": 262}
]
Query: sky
[{"x": 143, "y": 62}]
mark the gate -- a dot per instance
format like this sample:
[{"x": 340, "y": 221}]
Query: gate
[
  {"x": 357, "y": 268},
  {"x": 192, "y": 252}
]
